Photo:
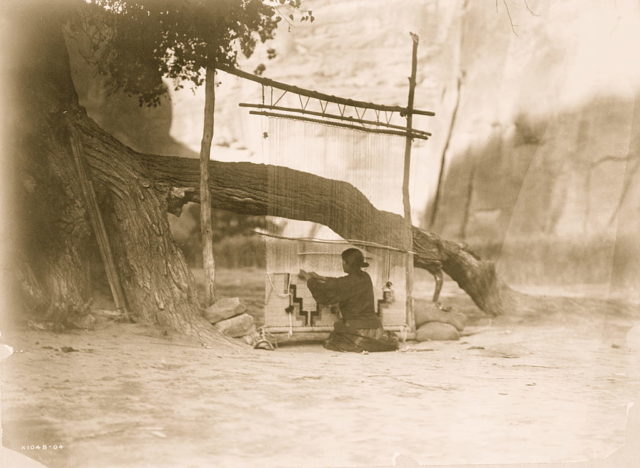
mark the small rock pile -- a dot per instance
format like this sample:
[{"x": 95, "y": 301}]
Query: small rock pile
[
  {"x": 229, "y": 317},
  {"x": 437, "y": 323}
]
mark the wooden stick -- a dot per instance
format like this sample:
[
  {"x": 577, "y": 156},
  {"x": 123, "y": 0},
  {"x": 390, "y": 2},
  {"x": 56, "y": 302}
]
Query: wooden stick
[
  {"x": 325, "y": 97},
  {"x": 331, "y": 116},
  {"x": 95, "y": 218},
  {"x": 338, "y": 124},
  {"x": 405, "y": 181},
  {"x": 341, "y": 241},
  {"x": 206, "y": 224}
]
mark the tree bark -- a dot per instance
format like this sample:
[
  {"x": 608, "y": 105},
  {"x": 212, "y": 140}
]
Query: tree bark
[
  {"x": 158, "y": 284},
  {"x": 53, "y": 231},
  {"x": 206, "y": 223},
  {"x": 50, "y": 249}
]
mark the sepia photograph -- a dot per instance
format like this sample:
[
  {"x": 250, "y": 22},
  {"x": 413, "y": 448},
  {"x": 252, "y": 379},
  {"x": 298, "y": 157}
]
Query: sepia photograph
[{"x": 320, "y": 233}]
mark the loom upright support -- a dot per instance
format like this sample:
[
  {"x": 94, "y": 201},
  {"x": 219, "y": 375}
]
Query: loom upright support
[{"x": 405, "y": 181}]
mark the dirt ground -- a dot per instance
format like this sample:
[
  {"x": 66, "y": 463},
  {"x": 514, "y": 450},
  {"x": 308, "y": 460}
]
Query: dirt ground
[{"x": 512, "y": 391}]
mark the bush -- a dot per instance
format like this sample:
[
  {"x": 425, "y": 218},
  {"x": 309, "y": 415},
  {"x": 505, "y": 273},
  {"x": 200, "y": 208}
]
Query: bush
[{"x": 240, "y": 252}]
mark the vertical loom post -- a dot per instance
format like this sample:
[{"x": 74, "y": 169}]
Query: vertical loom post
[
  {"x": 206, "y": 226},
  {"x": 97, "y": 224},
  {"x": 405, "y": 181}
]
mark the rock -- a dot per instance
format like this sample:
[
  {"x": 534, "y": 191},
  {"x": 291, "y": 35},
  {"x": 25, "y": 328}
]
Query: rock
[
  {"x": 437, "y": 331},
  {"x": 107, "y": 313},
  {"x": 237, "y": 326},
  {"x": 430, "y": 312},
  {"x": 85, "y": 322},
  {"x": 224, "y": 309},
  {"x": 252, "y": 337}
]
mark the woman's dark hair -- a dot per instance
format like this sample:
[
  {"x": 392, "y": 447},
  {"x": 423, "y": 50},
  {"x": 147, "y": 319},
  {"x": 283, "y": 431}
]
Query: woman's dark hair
[{"x": 354, "y": 257}]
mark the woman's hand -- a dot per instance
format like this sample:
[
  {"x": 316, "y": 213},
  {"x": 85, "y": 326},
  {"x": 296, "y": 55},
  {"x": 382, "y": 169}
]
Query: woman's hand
[
  {"x": 304, "y": 275},
  {"x": 307, "y": 275}
]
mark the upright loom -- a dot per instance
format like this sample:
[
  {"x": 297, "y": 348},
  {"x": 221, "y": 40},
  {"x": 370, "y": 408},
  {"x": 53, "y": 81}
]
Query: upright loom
[
  {"x": 356, "y": 142},
  {"x": 367, "y": 161}
]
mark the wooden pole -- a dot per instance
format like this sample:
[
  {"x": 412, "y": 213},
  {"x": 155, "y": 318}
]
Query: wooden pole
[
  {"x": 340, "y": 124},
  {"x": 418, "y": 133},
  {"x": 206, "y": 224},
  {"x": 95, "y": 218},
  {"x": 321, "y": 96},
  {"x": 405, "y": 180}
]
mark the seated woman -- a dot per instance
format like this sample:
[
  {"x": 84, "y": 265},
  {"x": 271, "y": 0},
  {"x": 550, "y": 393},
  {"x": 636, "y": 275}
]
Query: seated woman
[{"x": 360, "y": 328}]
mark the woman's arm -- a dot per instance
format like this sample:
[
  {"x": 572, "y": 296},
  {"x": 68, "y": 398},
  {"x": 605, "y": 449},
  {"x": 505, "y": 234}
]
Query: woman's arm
[
  {"x": 328, "y": 290},
  {"x": 306, "y": 275}
]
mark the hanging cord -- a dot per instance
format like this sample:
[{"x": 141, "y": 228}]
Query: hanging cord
[
  {"x": 288, "y": 294},
  {"x": 273, "y": 287},
  {"x": 388, "y": 268},
  {"x": 404, "y": 332}
]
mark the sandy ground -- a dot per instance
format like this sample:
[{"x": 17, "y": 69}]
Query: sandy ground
[{"x": 511, "y": 392}]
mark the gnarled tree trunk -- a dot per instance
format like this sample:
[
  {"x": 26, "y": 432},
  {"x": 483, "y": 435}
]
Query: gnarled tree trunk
[{"x": 54, "y": 232}]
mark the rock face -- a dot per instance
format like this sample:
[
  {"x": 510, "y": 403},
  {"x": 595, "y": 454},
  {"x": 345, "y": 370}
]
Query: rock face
[
  {"x": 236, "y": 327},
  {"x": 224, "y": 309},
  {"x": 437, "y": 331},
  {"x": 542, "y": 166}
]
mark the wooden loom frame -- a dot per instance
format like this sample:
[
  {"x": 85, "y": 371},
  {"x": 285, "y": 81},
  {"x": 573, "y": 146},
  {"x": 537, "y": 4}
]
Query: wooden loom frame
[
  {"x": 285, "y": 334},
  {"x": 359, "y": 124}
]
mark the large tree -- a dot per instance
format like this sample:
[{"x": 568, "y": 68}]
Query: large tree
[
  {"x": 139, "y": 42},
  {"x": 135, "y": 191}
]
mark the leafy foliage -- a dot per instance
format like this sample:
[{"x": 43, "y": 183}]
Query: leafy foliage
[{"x": 137, "y": 42}]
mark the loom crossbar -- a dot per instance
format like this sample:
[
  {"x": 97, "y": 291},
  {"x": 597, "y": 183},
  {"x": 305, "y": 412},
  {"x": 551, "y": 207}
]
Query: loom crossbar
[
  {"x": 322, "y": 96},
  {"x": 327, "y": 241},
  {"x": 343, "y": 125},
  {"x": 332, "y": 116}
]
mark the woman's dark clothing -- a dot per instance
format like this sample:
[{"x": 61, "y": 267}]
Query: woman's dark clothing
[{"x": 360, "y": 328}]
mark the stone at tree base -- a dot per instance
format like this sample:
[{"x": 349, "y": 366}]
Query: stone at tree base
[
  {"x": 85, "y": 322},
  {"x": 252, "y": 336},
  {"x": 224, "y": 309},
  {"x": 437, "y": 331},
  {"x": 237, "y": 326},
  {"x": 425, "y": 313}
]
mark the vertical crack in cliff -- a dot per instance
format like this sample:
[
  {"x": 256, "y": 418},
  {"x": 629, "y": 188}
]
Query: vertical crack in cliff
[
  {"x": 631, "y": 170},
  {"x": 467, "y": 207}
]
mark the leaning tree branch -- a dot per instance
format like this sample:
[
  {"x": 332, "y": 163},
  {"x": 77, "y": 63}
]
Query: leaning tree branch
[{"x": 258, "y": 189}]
